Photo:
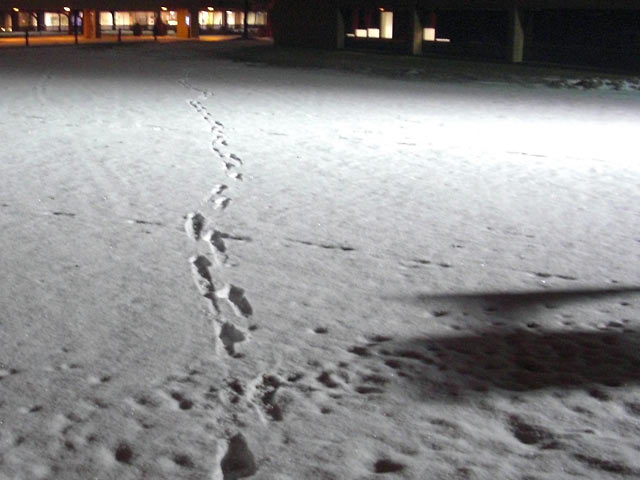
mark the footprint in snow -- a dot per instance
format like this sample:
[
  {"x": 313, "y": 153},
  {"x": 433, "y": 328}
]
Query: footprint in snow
[
  {"x": 183, "y": 402},
  {"x": 221, "y": 203},
  {"x": 387, "y": 466},
  {"x": 216, "y": 149},
  {"x": 266, "y": 390},
  {"x": 123, "y": 453},
  {"x": 215, "y": 192},
  {"x": 236, "y": 298},
  {"x": 230, "y": 335},
  {"x": 201, "y": 276},
  {"x": 194, "y": 224},
  {"x": 214, "y": 237},
  {"x": 218, "y": 189},
  {"x": 216, "y": 243},
  {"x": 239, "y": 461},
  {"x": 235, "y": 175}
]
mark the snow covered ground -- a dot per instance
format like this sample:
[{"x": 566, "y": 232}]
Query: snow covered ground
[{"x": 420, "y": 278}]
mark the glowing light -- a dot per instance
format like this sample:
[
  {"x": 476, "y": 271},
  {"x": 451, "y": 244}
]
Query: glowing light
[
  {"x": 66, "y": 9},
  {"x": 373, "y": 32},
  {"x": 381, "y": 9},
  {"x": 386, "y": 25},
  {"x": 210, "y": 9},
  {"x": 16, "y": 9},
  {"x": 361, "y": 32},
  {"x": 429, "y": 35},
  {"x": 164, "y": 9},
  {"x": 443, "y": 40}
]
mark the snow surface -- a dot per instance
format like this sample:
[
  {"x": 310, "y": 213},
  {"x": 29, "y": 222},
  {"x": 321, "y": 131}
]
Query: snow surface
[{"x": 220, "y": 270}]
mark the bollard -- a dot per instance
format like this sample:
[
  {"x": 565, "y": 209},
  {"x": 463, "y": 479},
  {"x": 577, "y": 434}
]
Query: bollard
[
  {"x": 26, "y": 37},
  {"x": 119, "y": 35}
]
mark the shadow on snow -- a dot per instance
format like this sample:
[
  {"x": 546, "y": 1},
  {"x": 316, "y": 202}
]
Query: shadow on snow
[{"x": 517, "y": 358}]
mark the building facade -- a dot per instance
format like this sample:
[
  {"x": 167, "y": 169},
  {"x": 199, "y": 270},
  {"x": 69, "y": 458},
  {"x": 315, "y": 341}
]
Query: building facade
[
  {"x": 588, "y": 32},
  {"x": 186, "y": 18}
]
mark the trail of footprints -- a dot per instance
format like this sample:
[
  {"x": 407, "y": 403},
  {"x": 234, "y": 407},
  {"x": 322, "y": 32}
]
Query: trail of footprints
[
  {"x": 208, "y": 275},
  {"x": 207, "y": 269}
]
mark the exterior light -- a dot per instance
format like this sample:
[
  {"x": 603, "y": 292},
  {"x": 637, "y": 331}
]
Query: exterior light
[
  {"x": 16, "y": 9},
  {"x": 210, "y": 9},
  {"x": 164, "y": 9},
  {"x": 381, "y": 9},
  {"x": 66, "y": 9}
]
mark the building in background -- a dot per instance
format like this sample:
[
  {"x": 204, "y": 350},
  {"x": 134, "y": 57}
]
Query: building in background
[
  {"x": 588, "y": 32},
  {"x": 184, "y": 18}
]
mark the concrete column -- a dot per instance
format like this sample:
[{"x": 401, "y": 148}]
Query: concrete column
[
  {"x": 340, "y": 30},
  {"x": 89, "y": 23},
  {"x": 15, "y": 22},
  {"x": 182, "y": 30},
  {"x": 194, "y": 24},
  {"x": 245, "y": 26},
  {"x": 7, "y": 21},
  {"x": 98, "y": 25},
  {"x": 516, "y": 35},
  {"x": 40, "y": 21},
  {"x": 269, "y": 26},
  {"x": 415, "y": 32}
]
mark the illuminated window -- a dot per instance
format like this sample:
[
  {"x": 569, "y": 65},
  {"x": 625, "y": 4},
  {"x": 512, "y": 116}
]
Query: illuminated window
[
  {"x": 106, "y": 19},
  {"x": 261, "y": 18},
  {"x": 373, "y": 32},
  {"x": 370, "y": 23},
  {"x": 123, "y": 19},
  {"x": 429, "y": 35},
  {"x": 205, "y": 18}
]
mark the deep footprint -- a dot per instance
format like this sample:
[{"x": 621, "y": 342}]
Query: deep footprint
[
  {"x": 236, "y": 298},
  {"x": 123, "y": 453},
  {"x": 201, "y": 276},
  {"x": 268, "y": 388},
  {"x": 238, "y": 462},
  {"x": 214, "y": 239},
  {"x": 194, "y": 224},
  {"x": 230, "y": 335},
  {"x": 221, "y": 203},
  {"x": 387, "y": 466}
]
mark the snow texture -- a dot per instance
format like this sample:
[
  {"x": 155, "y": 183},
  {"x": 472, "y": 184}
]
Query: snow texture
[{"x": 417, "y": 278}]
